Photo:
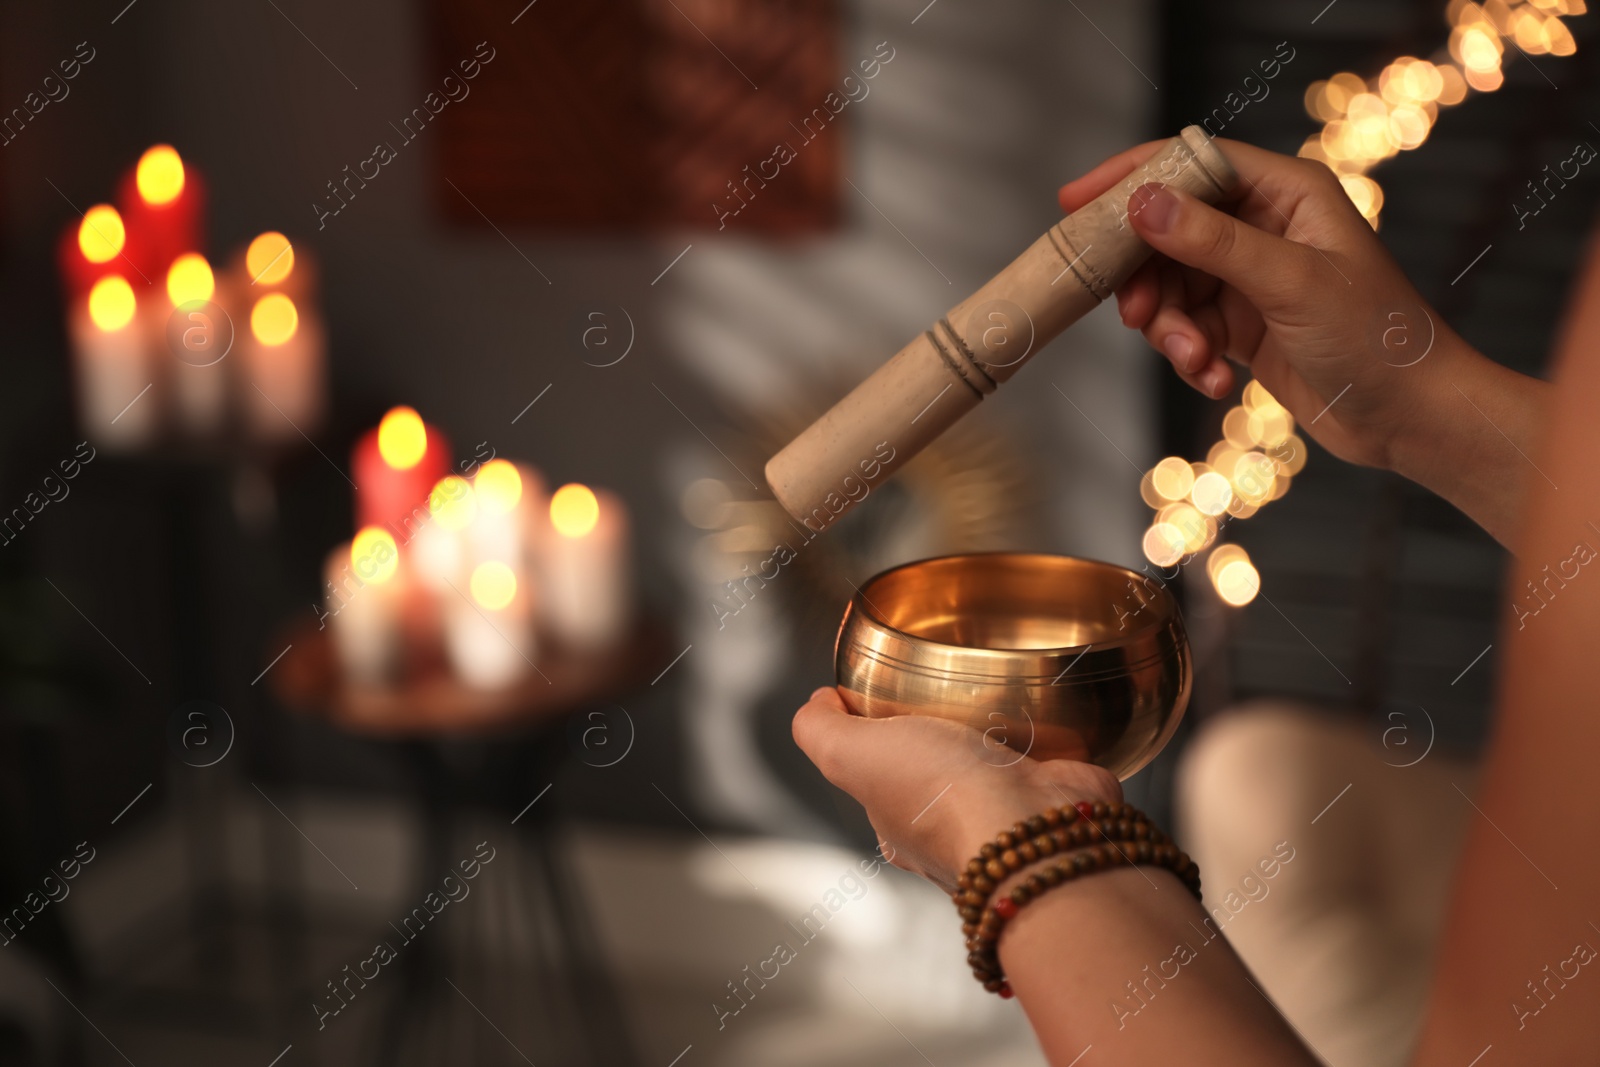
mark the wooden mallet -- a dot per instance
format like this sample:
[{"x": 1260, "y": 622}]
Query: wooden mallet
[{"x": 981, "y": 342}]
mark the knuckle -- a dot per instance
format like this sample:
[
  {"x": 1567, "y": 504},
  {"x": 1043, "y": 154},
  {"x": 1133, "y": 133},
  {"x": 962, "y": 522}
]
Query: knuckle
[{"x": 1216, "y": 241}]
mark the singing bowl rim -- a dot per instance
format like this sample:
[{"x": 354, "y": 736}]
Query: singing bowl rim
[{"x": 1162, "y": 614}]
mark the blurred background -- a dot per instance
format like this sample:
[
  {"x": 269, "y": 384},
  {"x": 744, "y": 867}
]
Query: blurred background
[{"x": 505, "y": 268}]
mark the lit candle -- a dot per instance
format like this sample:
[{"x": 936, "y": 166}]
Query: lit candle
[
  {"x": 184, "y": 323},
  {"x": 436, "y": 549},
  {"x": 511, "y": 499},
  {"x": 488, "y": 628},
  {"x": 366, "y": 589},
  {"x": 395, "y": 468},
  {"x": 112, "y": 366},
  {"x": 281, "y": 359},
  {"x": 92, "y": 249},
  {"x": 162, "y": 201},
  {"x": 271, "y": 262},
  {"x": 586, "y": 594}
]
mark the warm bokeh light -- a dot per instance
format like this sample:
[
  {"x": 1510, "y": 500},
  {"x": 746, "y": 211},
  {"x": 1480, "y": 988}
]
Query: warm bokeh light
[
  {"x": 1366, "y": 122},
  {"x": 111, "y": 303},
  {"x": 1290, "y": 455},
  {"x": 1237, "y": 582},
  {"x": 574, "y": 510},
  {"x": 1163, "y": 544},
  {"x": 1221, "y": 556},
  {"x": 274, "y": 319},
  {"x": 101, "y": 235},
  {"x": 190, "y": 278},
  {"x": 1196, "y": 530},
  {"x": 498, "y": 486},
  {"x": 373, "y": 555},
  {"x": 1221, "y": 457},
  {"x": 1172, "y": 478},
  {"x": 493, "y": 585},
  {"x": 1252, "y": 479},
  {"x": 1211, "y": 494},
  {"x": 452, "y": 503},
  {"x": 159, "y": 175},
  {"x": 269, "y": 259},
  {"x": 402, "y": 438}
]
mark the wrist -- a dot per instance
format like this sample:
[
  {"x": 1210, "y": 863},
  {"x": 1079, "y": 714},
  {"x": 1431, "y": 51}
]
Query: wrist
[
  {"x": 1472, "y": 427},
  {"x": 982, "y": 822},
  {"x": 1432, "y": 413}
]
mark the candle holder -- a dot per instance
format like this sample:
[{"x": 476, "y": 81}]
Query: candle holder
[{"x": 1049, "y": 656}]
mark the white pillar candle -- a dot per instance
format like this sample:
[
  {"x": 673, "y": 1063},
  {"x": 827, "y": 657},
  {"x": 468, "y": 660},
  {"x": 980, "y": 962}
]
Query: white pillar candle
[
  {"x": 511, "y": 503},
  {"x": 280, "y": 355},
  {"x": 112, "y": 366},
  {"x": 587, "y": 595},
  {"x": 186, "y": 333},
  {"x": 365, "y": 594},
  {"x": 437, "y": 549},
  {"x": 488, "y": 627}
]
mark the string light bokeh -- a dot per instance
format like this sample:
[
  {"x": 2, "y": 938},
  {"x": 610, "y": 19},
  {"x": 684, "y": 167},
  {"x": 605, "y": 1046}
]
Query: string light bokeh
[
  {"x": 1366, "y": 121},
  {"x": 1250, "y": 467}
]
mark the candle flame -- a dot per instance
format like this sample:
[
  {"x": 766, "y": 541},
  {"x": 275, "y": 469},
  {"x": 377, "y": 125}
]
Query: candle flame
[
  {"x": 493, "y": 585},
  {"x": 270, "y": 258},
  {"x": 402, "y": 438},
  {"x": 112, "y": 303},
  {"x": 452, "y": 503},
  {"x": 574, "y": 510},
  {"x": 499, "y": 486},
  {"x": 274, "y": 319},
  {"x": 101, "y": 235},
  {"x": 159, "y": 175},
  {"x": 190, "y": 278},
  {"x": 373, "y": 555}
]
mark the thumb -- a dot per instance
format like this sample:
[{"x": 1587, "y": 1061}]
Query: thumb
[
  {"x": 825, "y": 729},
  {"x": 1263, "y": 267}
]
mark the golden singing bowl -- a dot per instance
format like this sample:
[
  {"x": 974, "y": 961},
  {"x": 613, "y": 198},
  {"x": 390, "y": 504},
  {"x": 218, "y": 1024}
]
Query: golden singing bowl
[{"x": 1050, "y": 656}]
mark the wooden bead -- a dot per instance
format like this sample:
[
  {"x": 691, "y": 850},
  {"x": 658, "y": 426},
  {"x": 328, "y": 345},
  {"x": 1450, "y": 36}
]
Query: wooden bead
[
  {"x": 1004, "y": 840},
  {"x": 983, "y": 884},
  {"x": 988, "y": 851},
  {"x": 1010, "y": 858},
  {"x": 1027, "y": 851},
  {"x": 1052, "y": 817},
  {"x": 1045, "y": 845},
  {"x": 1035, "y": 825},
  {"x": 995, "y": 869}
]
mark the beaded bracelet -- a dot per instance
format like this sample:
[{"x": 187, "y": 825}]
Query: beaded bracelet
[{"x": 1040, "y": 836}]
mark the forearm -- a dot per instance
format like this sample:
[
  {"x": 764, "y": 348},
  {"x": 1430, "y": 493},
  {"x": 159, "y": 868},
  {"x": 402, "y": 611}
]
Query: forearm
[
  {"x": 1475, "y": 425},
  {"x": 1127, "y": 961}
]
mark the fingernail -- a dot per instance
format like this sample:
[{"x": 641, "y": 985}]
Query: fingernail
[
  {"x": 1211, "y": 381},
  {"x": 1180, "y": 348},
  {"x": 815, "y": 693},
  {"x": 1154, "y": 206}
]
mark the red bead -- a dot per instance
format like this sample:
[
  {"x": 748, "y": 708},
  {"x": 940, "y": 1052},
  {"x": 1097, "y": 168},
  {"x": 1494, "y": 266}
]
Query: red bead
[
  {"x": 1006, "y": 908},
  {"x": 1005, "y": 991},
  {"x": 1085, "y": 809}
]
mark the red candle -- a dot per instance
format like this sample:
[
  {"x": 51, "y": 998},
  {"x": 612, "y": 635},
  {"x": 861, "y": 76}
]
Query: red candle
[
  {"x": 395, "y": 467},
  {"x": 162, "y": 201},
  {"x": 90, "y": 249}
]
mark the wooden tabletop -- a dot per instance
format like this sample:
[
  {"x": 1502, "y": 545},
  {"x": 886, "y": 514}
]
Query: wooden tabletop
[{"x": 430, "y": 702}]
